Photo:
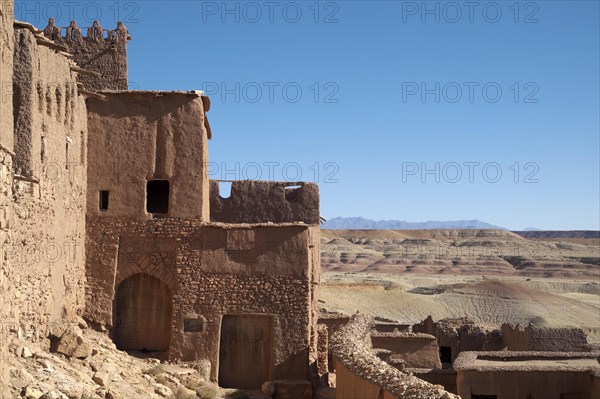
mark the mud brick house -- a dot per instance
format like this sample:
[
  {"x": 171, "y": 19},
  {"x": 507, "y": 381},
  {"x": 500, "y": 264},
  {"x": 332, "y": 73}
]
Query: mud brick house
[{"x": 160, "y": 260}]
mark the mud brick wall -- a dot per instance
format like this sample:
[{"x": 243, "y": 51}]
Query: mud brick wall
[
  {"x": 6, "y": 155},
  {"x": 214, "y": 270},
  {"x": 140, "y": 136},
  {"x": 46, "y": 249},
  {"x": 416, "y": 350},
  {"x": 101, "y": 51},
  {"x": 531, "y": 338},
  {"x": 264, "y": 201}
]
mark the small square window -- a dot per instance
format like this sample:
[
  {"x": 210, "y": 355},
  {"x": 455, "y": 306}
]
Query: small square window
[{"x": 104, "y": 201}]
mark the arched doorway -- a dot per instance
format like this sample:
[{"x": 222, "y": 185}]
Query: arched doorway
[{"x": 143, "y": 313}]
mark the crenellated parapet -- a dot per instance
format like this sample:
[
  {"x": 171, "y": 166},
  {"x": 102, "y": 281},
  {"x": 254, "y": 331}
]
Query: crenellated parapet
[
  {"x": 101, "y": 50},
  {"x": 95, "y": 33}
]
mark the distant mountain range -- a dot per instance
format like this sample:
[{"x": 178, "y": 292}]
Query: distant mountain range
[
  {"x": 559, "y": 234},
  {"x": 360, "y": 223}
]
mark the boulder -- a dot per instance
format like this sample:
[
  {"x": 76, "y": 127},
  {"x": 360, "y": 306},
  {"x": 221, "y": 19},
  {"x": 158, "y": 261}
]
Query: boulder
[
  {"x": 72, "y": 344},
  {"x": 163, "y": 391},
  {"x": 26, "y": 352},
  {"x": 33, "y": 392},
  {"x": 101, "y": 378},
  {"x": 20, "y": 378}
]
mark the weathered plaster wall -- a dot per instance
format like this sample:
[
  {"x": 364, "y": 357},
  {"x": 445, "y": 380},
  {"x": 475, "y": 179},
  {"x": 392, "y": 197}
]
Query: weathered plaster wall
[
  {"x": 141, "y": 136},
  {"x": 416, "y": 350},
  {"x": 46, "y": 250},
  {"x": 214, "y": 270},
  {"x": 6, "y": 158},
  {"x": 101, "y": 51},
  {"x": 254, "y": 201}
]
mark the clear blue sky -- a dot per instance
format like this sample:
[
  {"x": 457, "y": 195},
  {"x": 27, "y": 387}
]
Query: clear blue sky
[{"x": 389, "y": 88}]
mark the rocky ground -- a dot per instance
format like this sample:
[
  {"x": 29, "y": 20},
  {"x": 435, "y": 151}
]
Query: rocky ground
[{"x": 86, "y": 364}]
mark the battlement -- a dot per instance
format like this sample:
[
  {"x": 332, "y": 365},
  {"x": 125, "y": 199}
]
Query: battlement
[
  {"x": 95, "y": 33},
  {"x": 102, "y": 51}
]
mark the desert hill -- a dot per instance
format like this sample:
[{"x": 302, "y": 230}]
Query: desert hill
[
  {"x": 463, "y": 252},
  {"x": 490, "y": 276}
]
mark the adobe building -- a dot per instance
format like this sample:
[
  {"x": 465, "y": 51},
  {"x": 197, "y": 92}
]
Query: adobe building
[
  {"x": 107, "y": 212},
  {"x": 532, "y": 375}
]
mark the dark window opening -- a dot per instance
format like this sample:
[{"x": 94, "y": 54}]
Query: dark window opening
[
  {"x": 103, "y": 201},
  {"x": 445, "y": 354},
  {"x": 157, "y": 196},
  {"x": 291, "y": 193},
  {"x": 67, "y": 155}
]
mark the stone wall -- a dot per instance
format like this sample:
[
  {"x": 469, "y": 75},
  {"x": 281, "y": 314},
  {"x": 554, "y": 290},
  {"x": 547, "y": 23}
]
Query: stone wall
[
  {"x": 366, "y": 373},
  {"x": 252, "y": 201},
  {"x": 101, "y": 51},
  {"x": 6, "y": 155},
  {"x": 46, "y": 250},
  {"x": 214, "y": 270},
  {"x": 140, "y": 136}
]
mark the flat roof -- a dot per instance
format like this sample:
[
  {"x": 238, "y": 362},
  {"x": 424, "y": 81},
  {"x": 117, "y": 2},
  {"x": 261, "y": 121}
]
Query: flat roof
[
  {"x": 527, "y": 361},
  {"x": 158, "y": 93}
]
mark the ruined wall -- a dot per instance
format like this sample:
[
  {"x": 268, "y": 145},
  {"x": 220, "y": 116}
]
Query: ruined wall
[
  {"x": 519, "y": 384},
  {"x": 101, "y": 51},
  {"x": 140, "y": 136},
  {"x": 213, "y": 271},
  {"x": 551, "y": 375},
  {"x": 531, "y": 338},
  {"x": 6, "y": 158},
  {"x": 364, "y": 372},
  {"x": 415, "y": 350},
  {"x": 46, "y": 250},
  {"x": 461, "y": 335},
  {"x": 263, "y": 201}
]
